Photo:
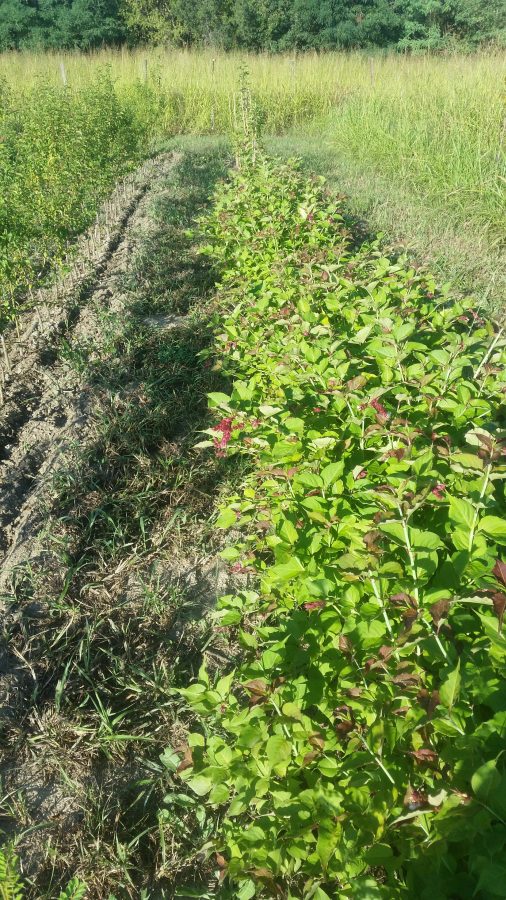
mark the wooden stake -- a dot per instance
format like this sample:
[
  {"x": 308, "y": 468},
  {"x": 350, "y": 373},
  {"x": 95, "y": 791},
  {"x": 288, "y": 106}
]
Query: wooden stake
[{"x": 213, "y": 80}]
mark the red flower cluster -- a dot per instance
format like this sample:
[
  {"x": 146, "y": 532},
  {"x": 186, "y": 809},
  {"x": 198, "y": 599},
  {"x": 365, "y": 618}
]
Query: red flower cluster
[{"x": 438, "y": 490}]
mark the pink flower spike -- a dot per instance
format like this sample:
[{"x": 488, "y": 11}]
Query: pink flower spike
[
  {"x": 438, "y": 490},
  {"x": 362, "y": 474}
]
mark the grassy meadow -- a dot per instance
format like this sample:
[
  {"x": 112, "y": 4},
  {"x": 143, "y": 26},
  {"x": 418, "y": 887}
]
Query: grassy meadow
[{"x": 420, "y": 140}]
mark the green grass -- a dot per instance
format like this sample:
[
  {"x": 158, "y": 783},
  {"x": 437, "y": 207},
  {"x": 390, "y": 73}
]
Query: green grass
[{"x": 463, "y": 252}]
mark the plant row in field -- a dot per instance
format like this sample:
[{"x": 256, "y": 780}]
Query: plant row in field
[
  {"x": 61, "y": 152},
  {"x": 357, "y": 749}
]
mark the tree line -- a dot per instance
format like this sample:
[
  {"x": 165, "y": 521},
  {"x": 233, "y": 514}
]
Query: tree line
[{"x": 273, "y": 25}]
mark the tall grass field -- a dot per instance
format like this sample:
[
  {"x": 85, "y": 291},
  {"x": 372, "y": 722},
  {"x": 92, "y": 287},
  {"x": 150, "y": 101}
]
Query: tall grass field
[{"x": 434, "y": 126}]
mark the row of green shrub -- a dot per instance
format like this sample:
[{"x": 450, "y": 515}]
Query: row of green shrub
[{"x": 357, "y": 748}]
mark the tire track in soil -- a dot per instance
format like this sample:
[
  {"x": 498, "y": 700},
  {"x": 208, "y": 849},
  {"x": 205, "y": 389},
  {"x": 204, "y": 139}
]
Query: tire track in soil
[{"x": 48, "y": 408}]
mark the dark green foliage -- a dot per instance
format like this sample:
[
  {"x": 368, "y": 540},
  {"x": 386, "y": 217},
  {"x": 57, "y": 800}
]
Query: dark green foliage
[
  {"x": 254, "y": 24},
  {"x": 79, "y": 24}
]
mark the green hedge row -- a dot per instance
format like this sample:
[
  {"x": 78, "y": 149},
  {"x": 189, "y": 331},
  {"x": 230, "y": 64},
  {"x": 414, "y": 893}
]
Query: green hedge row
[{"x": 358, "y": 748}]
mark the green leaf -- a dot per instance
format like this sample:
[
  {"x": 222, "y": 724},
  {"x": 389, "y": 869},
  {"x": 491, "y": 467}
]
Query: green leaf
[
  {"x": 291, "y": 711},
  {"x": 246, "y": 890},
  {"x": 494, "y": 527},
  {"x": 331, "y": 473},
  {"x": 279, "y": 752},
  {"x": 288, "y": 532},
  {"x": 461, "y": 512},
  {"x": 326, "y": 843},
  {"x": 485, "y": 781},
  {"x": 218, "y": 400},
  {"x": 394, "y": 530},
  {"x": 285, "y": 571},
  {"x": 450, "y": 689},
  {"x": 492, "y": 880},
  {"x": 75, "y": 890},
  {"x": 200, "y": 785},
  {"x": 226, "y": 518}
]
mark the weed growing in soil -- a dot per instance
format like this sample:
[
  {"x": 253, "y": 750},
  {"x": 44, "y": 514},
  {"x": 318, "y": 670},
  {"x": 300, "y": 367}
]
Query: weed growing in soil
[{"x": 358, "y": 750}]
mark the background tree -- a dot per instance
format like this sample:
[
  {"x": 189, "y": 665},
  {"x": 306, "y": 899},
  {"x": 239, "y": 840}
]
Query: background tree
[{"x": 254, "y": 24}]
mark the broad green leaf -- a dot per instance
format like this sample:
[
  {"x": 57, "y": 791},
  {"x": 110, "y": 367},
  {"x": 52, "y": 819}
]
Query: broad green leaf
[
  {"x": 219, "y": 400},
  {"x": 486, "y": 780},
  {"x": 494, "y": 527},
  {"x": 288, "y": 532},
  {"x": 226, "y": 518},
  {"x": 394, "y": 530},
  {"x": 461, "y": 512},
  {"x": 247, "y": 890},
  {"x": 492, "y": 880},
  {"x": 331, "y": 473},
  {"x": 326, "y": 844},
  {"x": 200, "y": 785},
  {"x": 285, "y": 571},
  {"x": 279, "y": 752},
  {"x": 450, "y": 689}
]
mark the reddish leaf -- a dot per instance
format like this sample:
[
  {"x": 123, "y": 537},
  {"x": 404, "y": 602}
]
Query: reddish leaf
[
  {"x": 499, "y": 571},
  {"x": 261, "y": 872},
  {"x": 187, "y": 760},
  {"x": 403, "y": 599},
  {"x": 354, "y": 384},
  {"x": 499, "y": 601},
  {"x": 317, "y": 741},
  {"x": 310, "y": 757},
  {"x": 424, "y": 755},
  {"x": 429, "y": 701},
  {"x": 354, "y": 692},
  {"x": 344, "y": 727},
  {"x": 406, "y": 679},
  {"x": 401, "y": 711},
  {"x": 257, "y": 687},
  {"x": 409, "y": 616},
  {"x": 371, "y": 539},
  {"x": 344, "y": 644},
  {"x": 313, "y": 604},
  {"x": 439, "y": 611},
  {"x": 414, "y": 799},
  {"x": 398, "y": 454}
]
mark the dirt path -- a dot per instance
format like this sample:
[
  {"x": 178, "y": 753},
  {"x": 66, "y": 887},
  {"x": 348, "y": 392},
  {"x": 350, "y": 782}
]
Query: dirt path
[
  {"x": 109, "y": 568},
  {"x": 47, "y": 408}
]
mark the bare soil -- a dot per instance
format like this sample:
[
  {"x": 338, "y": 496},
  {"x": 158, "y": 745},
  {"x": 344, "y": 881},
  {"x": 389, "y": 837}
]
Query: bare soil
[{"x": 103, "y": 395}]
